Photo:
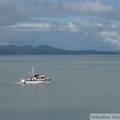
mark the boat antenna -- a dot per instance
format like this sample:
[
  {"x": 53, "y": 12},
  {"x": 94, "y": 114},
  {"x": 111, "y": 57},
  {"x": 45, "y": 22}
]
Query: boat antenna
[
  {"x": 32, "y": 71},
  {"x": 28, "y": 72}
]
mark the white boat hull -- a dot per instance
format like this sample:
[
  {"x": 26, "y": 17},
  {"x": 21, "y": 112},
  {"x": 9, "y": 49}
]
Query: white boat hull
[{"x": 35, "y": 81}]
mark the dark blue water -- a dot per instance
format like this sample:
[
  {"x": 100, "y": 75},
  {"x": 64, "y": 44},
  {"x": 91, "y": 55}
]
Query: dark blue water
[{"x": 80, "y": 85}]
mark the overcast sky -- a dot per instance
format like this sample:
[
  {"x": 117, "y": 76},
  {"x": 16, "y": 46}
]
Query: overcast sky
[{"x": 68, "y": 24}]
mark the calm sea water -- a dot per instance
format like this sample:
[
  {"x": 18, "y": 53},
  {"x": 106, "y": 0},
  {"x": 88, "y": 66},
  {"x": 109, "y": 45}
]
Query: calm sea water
[{"x": 80, "y": 85}]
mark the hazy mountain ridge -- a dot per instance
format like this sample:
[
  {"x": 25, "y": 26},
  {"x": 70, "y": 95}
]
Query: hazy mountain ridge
[{"x": 44, "y": 49}]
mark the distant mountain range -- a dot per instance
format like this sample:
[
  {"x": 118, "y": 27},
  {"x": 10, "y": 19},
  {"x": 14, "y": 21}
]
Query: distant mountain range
[{"x": 44, "y": 49}]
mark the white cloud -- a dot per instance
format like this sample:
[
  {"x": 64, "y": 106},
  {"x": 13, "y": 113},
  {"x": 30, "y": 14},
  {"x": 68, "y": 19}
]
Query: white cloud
[
  {"x": 30, "y": 26},
  {"x": 88, "y": 7},
  {"x": 111, "y": 37},
  {"x": 45, "y": 27},
  {"x": 73, "y": 26}
]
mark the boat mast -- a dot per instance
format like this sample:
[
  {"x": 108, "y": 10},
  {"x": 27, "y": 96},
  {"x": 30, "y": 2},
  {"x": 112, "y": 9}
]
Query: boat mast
[{"x": 33, "y": 71}]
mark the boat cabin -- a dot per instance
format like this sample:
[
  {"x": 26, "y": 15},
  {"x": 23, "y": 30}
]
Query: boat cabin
[{"x": 39, "y": 76}]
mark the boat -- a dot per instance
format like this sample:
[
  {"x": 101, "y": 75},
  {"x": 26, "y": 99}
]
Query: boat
[{"x": 35, "y": 78}]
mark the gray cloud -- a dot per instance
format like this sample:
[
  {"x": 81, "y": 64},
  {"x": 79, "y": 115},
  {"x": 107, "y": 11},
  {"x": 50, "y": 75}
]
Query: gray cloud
[
  {"x": 20, "y": 23},
  {"x": 61, "y": 9},
  {"x": 14, "y": 11}
]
